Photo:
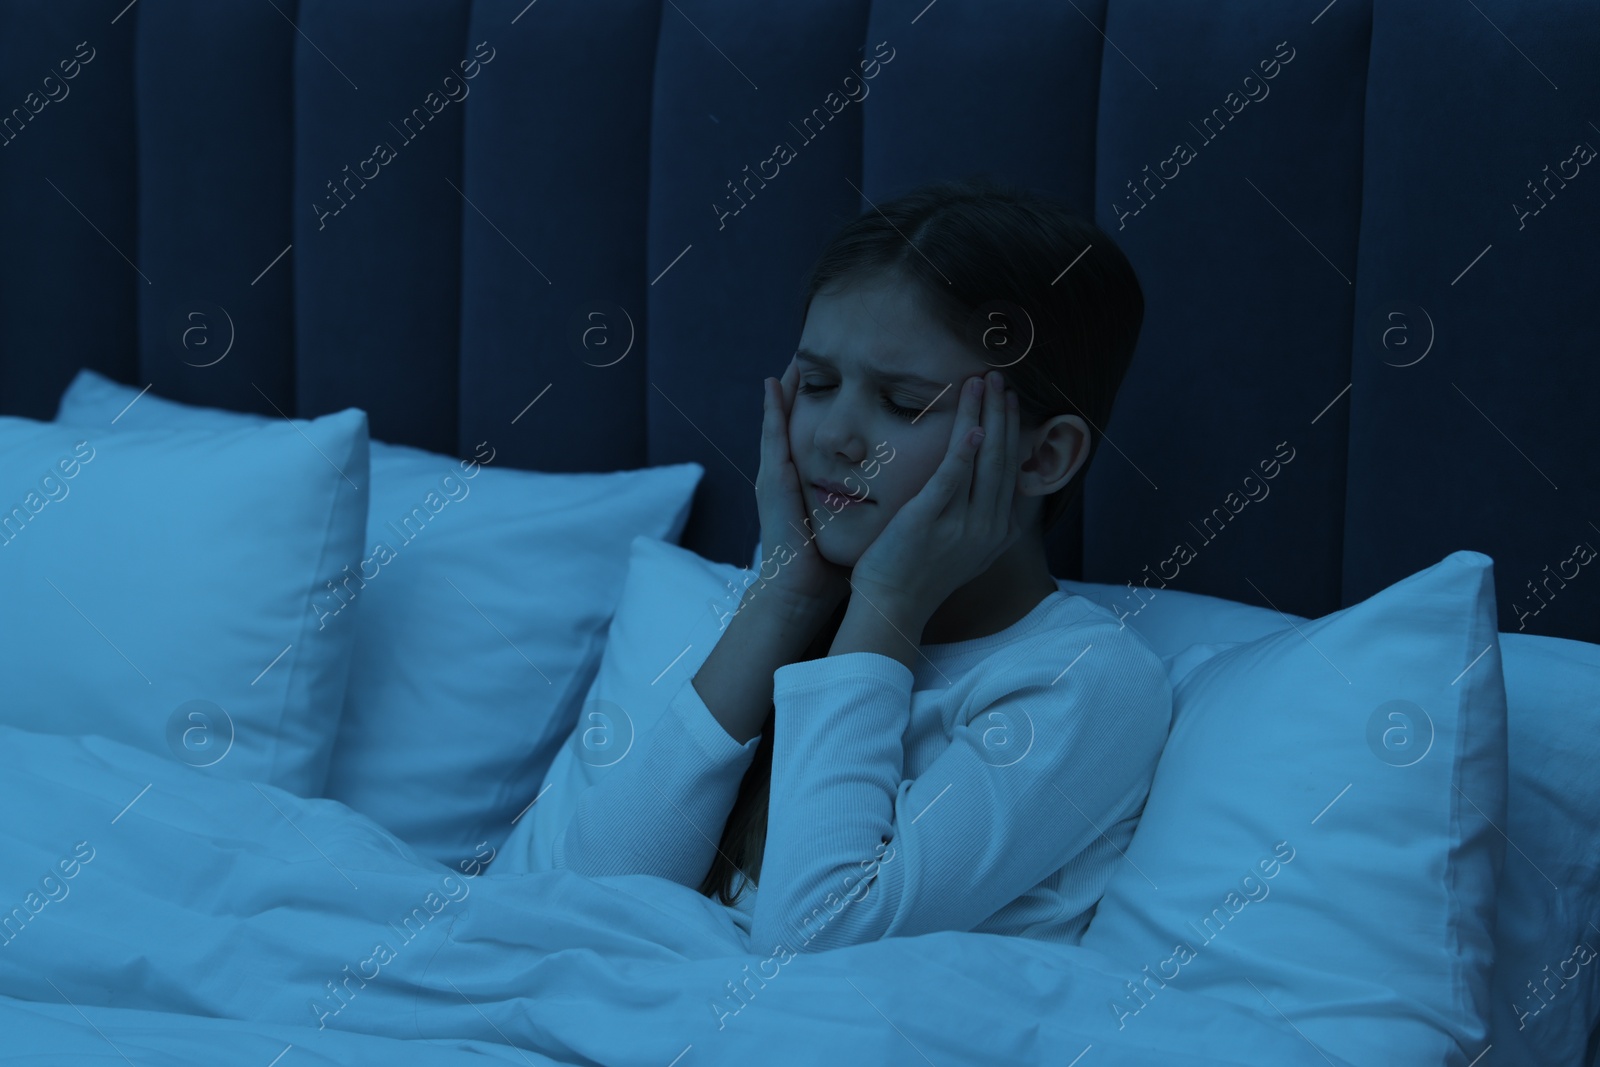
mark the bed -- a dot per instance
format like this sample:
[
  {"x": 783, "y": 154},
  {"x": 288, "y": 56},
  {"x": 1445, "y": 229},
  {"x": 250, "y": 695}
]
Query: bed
[{"x": 377, "y": 417}]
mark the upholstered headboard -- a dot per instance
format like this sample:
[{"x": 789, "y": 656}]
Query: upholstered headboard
[{"x": 1365, "y": 232}]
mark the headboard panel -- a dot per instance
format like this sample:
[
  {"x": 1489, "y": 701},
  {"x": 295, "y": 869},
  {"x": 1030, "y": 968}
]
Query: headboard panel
[
  {"x": 1486, "y": 440},
  {"x": 69, "y": 292},
  {"x": 378, "y": 263},
  {"x": 213, "y": 139},
  {"x": 555, "y": 268},
  {"x": 1229, "y": 171},
  {"x": 591, "y": 250}
]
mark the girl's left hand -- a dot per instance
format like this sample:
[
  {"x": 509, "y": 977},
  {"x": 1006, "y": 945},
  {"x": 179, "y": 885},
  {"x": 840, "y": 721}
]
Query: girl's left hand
[{"x": 961, "y": 520}]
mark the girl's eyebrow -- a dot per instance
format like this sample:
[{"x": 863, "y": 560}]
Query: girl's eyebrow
[{"x": 883, "y": 377}]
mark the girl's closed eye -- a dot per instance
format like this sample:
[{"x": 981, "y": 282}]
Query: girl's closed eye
[{"x": 890, "y": 405}]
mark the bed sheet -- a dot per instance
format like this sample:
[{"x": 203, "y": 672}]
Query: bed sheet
[
  {"x": 146, "y": 901},
  {"x": 48, "y": 1035}
]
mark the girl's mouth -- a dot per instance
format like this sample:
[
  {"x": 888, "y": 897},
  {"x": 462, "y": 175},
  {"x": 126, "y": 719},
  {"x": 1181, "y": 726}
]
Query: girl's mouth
[{"x": 837, "y": 501}]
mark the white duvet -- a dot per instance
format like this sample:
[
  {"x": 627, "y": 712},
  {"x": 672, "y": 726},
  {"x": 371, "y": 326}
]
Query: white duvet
[{"x": 213, "y": 921}]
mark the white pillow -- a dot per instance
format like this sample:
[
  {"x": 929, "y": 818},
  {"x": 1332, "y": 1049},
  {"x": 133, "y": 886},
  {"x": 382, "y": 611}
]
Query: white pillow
[
  {"x": 1326, "y": 811},
  {"x": 1232, "y": 769},
  {"x": 476, "y": 630},
  {"x": 673, "y": 610},
  {"x": 1170, "y": 620},
  {"x": 1546, "y": 989},
  {"x": 158, "y": 587}
]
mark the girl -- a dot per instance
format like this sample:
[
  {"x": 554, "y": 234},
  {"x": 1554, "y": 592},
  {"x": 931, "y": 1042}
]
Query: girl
[{"x": 909, "y": 727}]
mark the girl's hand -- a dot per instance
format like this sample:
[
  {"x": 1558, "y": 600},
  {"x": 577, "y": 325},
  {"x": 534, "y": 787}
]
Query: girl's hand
[
  {"x": 791, "y": 566},
  {"x": 961, "y": 521}
]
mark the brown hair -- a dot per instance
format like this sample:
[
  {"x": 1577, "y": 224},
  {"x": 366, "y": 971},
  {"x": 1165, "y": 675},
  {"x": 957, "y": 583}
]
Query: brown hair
[{"x": 1042, "y": 294}]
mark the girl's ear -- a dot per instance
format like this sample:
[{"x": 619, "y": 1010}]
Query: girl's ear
[{"x": 1054, "y": 453}]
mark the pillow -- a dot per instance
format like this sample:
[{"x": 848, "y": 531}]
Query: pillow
[
  {"x": 478, "y": 606},
  {"x": 1546, "y": 994},
  {"x": 158, "y": 587},
  {"x": 1547, "y": 974},
  {"x": 1346, "y": 778},
  {"x": 1171, "y": 620},
  {"x": 673, "y": 609}
]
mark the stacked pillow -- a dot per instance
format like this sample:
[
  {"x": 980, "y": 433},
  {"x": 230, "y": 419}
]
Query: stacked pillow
[
  {"x": 1545, "y": 993},
  {"x": 1326, "y": 811},
  {"x": 473, "y": 599},
  {"x": 674, "y": 606},
  {"x": 158, "y": 586},
  {"x": 1547, "y": 966},
  {"x": 1372, "y": 926}
]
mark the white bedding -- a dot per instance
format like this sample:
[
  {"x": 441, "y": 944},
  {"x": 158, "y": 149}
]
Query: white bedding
[{"x": 213, "y": 916}]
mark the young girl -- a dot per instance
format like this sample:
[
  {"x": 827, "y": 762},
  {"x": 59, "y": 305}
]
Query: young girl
[{"x": 908, "y": 727}]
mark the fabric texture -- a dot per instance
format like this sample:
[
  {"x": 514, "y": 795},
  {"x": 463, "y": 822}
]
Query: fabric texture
[
  {"x": 991, "y": 789},
  {"x": 1327, "y": 812},
  {"x": 473, "y": 609},
  {"x": 1546, "y": 992},
  {"x": 1547, "y": 936},
  {"x": 218, "y": 922},
  {"x": 668, "y": 618},
  {"x": 160, "y": 584}
]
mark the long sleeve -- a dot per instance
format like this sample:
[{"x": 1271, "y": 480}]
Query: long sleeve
[
  {"x": 660, "y": 810},
  {"x": 855, "y": 852}
]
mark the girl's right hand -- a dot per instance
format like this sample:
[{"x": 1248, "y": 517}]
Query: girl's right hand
[{"x": 807, "y": 582}]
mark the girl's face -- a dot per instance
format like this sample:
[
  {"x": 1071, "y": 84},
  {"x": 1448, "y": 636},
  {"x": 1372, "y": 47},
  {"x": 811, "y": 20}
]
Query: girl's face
[{"x": 850, "y": 411}]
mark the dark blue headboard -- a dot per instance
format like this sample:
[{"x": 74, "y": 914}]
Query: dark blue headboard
[{"x": 1365, "y": 232}]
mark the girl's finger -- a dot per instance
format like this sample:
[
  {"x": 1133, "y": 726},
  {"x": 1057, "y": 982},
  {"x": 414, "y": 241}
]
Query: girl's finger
[
  {"x": 994, "y": 455},
  {"x": 988, "y": 472},
  {"x": 767, "y": 422},
  {"x": 967, "y": 414},
  {"x": 774, "y": 428},
  {"x": 772, "y": 391},
  {"x": 953, "y": 477},
  {"x": 791, "y": 383},
  {"x": 960, "y": 461},
  {"x": 978, "y": 479},
  {"x": 1008, "y": 488}
]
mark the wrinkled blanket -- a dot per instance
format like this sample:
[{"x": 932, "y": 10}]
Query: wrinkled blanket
[{"x": 153, "y": 913}]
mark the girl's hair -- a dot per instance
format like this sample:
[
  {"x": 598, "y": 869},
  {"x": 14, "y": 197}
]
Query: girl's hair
[{"x": 1036, "y": 291}]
